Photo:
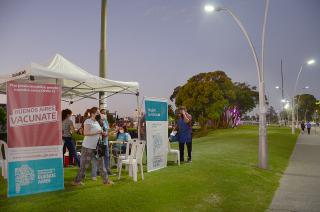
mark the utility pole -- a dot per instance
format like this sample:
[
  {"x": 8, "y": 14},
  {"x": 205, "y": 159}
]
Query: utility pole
[
  {"x": 103, "y": 60},
  {"x": 282, "y": 92}
]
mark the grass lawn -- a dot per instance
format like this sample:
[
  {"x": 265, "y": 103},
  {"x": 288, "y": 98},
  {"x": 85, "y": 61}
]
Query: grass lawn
[{"x": 222, "y": 177}]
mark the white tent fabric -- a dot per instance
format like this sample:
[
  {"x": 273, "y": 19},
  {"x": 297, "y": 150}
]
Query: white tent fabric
[{"x": 76, "y": 83}]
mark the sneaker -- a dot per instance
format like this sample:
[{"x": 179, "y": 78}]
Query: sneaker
[
  {"x": 94, "y": 178},
  {"x": 77, "y": 183},
  {"x": 109, "y": 182},
  {"x": 189, "y": 161}
]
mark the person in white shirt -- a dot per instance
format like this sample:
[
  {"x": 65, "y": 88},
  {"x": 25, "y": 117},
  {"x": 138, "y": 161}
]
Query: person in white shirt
[{"x": 92, "y": 132}]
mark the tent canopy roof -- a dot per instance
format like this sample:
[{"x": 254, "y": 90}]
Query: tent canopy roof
[{"x": 76, "y": 83}]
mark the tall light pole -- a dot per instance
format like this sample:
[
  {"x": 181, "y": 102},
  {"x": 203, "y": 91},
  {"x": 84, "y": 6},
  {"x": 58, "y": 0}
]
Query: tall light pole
[
  {"x": 284, "y": 101},
  {"x": 263, "y": 146},
  {"x": 103, "y": 60},
  {"x": 309, "y": 62}
]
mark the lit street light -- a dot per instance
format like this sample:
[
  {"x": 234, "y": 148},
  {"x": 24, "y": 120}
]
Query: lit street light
[
  {"x": 309, "y": 62},
  {"x": 287, "y": 106},
  {"x": 263, "y": 146},
  {"x": 209, "y": 8}
]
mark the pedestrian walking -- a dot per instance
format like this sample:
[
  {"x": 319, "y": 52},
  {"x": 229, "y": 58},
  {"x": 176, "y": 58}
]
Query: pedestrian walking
[
  {"x": 308, "y": 127},
  {"x": 303, "y": 126}
]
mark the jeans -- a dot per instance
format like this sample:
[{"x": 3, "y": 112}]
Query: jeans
[
  {"x": 181, "y": 148},
  {"x": 117, "y": 150},
  {"x": 106, "y": 163},
  {"x": 309, "y": 130},
  {"x": 68, "y": 143},
  {"x": 86, "y": 156}
]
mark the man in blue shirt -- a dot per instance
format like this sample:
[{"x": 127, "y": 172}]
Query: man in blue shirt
[{"x": 184, "y": 126}]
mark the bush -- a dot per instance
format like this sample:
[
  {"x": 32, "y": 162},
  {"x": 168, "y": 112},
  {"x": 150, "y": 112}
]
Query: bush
[{"x": 76, "y": 136}]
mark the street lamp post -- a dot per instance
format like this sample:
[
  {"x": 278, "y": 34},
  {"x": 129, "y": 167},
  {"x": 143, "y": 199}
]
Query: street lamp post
[
  {"x": 263, "y": 147},
  {"x": 310, "y": 62}
]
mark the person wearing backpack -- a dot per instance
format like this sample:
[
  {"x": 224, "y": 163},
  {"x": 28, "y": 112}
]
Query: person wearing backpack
[
  {"x": 184, "y": 126},
  {"x": 92, "y": 132}
]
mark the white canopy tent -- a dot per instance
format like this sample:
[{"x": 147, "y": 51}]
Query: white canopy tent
[{"x": 76, "y": 83}]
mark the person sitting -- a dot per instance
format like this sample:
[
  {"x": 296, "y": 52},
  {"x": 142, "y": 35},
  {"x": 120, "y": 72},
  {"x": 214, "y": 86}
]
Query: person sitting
[{"x": 124, "y": 136}]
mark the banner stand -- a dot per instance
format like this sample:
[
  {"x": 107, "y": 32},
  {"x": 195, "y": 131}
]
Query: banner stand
[
  {"x": 34, "y": 138},
  {"x": 156, "y": 110}
]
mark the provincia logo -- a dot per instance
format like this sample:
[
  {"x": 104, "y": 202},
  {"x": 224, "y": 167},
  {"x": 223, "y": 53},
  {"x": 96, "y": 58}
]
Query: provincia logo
[
  {"x": 24, "y": 176},
  {"x": 33, "y": 116}
]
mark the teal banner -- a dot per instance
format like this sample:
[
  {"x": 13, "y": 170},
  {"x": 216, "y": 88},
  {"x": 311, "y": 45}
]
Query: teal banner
[
  {"x": 156, "y": 110},
  {"x": 35, "y": 176}
]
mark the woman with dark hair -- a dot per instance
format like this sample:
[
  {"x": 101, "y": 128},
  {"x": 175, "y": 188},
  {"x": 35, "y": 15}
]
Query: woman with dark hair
[
  {"x": 67, "y": 129},
  {"x": 122, "y": 135},
  {"x": 105, "y": 127},
  {"x": 92, "y": 133}
]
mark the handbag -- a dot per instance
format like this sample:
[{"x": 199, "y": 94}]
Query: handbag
[
  {"x": 174, "y": 136},
  {"x": 100, "y": 149}
]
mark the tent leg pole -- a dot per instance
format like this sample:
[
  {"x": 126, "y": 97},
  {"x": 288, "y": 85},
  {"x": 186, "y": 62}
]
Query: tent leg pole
[{"x": 139, "y": 112}]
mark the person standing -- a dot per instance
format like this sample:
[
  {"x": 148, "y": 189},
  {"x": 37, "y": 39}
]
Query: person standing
[
  {"x": 308, "y": 127},
  {"x": 92, "y": 132},
  {"x": 184, "y": 126},
  {"x": 303, "y": 126},
  {"x": 105, "y": 127},
  {"x": 67, "y": 129}
]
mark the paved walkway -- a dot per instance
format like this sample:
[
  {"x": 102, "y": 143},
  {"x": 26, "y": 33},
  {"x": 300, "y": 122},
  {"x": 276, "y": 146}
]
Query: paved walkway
[{"x": 299, "y": 188}]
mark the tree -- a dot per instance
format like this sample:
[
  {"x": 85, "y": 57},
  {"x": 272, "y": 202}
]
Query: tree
[
  {"x": 306, "y": 106},
  {"x": 272, "y": 116},
  {"x": 246, "y": 97},
  {"x": 110, "y": 119},
  {"x": 171, "y": 112},
  {"x": 174, "y": 94},
  {"x": 205, "y": 95},
  {"x": 208, "y": 96}
]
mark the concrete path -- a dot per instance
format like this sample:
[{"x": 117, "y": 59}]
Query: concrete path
[{"x": 299, "y": 188}]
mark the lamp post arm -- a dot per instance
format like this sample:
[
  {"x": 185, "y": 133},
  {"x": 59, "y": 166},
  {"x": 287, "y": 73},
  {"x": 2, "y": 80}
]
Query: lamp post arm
[
  {"x": 244, "y": 31},
  {"x": 297, "y": 80},
  {"x": 293, "y": 104}
]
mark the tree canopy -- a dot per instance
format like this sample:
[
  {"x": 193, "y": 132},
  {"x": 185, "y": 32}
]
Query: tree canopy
[
  {"x": 208, "y": 95},
  {"x": 306, "y": 106}
]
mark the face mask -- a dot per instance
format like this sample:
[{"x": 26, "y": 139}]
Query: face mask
[
  {"x": 121, "y": 131},
  {"x": 98, "y": 117},
  {"x": 103, "y": 116}
]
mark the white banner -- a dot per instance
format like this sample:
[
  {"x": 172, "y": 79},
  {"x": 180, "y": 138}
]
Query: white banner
[{"x": 157, "y": 133}]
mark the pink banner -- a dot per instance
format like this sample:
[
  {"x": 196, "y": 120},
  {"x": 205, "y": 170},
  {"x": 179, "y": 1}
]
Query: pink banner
[{"x": 33, "y": 114}]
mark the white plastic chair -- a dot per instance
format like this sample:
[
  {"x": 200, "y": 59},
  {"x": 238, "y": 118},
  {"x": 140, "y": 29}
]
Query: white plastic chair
[
  {"x": 129, "y": 145},
  {"x": 176, "y": 152},
  {"x": 4, "y": 159},
  {"x": 134, "y": 159}
]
